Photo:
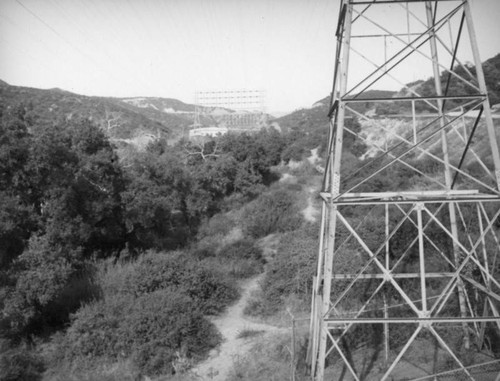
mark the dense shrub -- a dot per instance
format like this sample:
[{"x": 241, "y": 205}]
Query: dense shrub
[
  {"x": 44, "y": 287},
  {"x": 272, "y": 212},
  {"x": 211, "y": 290},
  {"x": 149, "y": 329},
  {"x": 20, "y": 364},
  {"x": 240, "y": 259},
  {"x": 92, "y": 369},
  {"x": 293, "y": 152},
  {"x": 60, "y": 186},
  {"x": 154, "y": 202},
  {"x": 221, "y": 246},
  {"x": 94, "y": 329},
  {"x": 220, "y": 224},
  {"x": 258, "y": 151},
  {"x": 207, "y": 286},
  {"x": 151, "y": 311},
  {"x": 161, "y": 323},
  {"x": 290, "y": 272},
  {"x": 212, "y": 236},
  {"x": 206, "y": 248},
  {"x": 243, "y": 248},
  {"x": 270, "y": 359}
]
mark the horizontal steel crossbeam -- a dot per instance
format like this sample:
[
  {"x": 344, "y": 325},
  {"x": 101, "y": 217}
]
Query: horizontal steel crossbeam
[
  {"x": 333, "y": 323},
  {"x": 393, "y": 275},
  {"x": 377, "y": 2},
  {"x": 407, "y": 200},
  {"x": 430, "y": 251},
  {"x": 411, "y": 99}
]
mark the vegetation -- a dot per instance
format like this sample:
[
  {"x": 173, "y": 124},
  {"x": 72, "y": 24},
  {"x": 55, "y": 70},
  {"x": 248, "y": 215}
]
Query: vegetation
[
  {"x": 290, "y": 274},
  {"x": 125, "y": 323},
  {"x": 270, "y": 359},
  {"x": 276, "y": 211},
  {"x": 111, "y": 260},
  {"x": 119, "y": 119},
  {"x": 70, "y": 210}
]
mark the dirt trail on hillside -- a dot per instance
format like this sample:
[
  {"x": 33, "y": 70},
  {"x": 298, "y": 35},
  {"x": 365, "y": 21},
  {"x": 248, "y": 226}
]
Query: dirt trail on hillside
[
  {"x": 310, "y": 212},
  {"x": 230, "y": 325}
]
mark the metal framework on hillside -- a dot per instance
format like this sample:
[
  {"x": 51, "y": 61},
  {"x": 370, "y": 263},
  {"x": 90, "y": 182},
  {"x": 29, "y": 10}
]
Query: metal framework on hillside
[
  {"x": 233, "y": 109},
  {"x": 408, "y": 266}
]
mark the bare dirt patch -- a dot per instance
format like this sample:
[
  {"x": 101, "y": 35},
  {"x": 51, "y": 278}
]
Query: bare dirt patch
[
  {"x": 236, "y": 332},
  {"x": 310, "y": 212}
]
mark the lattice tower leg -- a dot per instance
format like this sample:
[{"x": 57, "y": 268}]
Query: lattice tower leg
[{"x": 426, "y": 255}]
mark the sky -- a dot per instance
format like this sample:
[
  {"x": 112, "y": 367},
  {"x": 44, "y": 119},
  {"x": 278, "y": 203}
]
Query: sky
[{"x": 173, "y": 48}]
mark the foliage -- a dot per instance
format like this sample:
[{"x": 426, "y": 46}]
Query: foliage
[
  {"x": 17, "y": 219},
  {"x": 270, "y": 359},
  {"x": 149, "y": 329},
  {"x": 67, "y": 201},
  {"x": 67, "y": 206},
  {"x": 244, "y": 248},
  {"x": 289, "y": 273},
  {"x": 154, "y": 199},
  {"x": 20, "y": 364},
  {"x": 240, "y": 259},
  {"x": 92, "y": 369},
  {"x": 220, "y": 224},
  {"x": 308, "y": 129},
  {"x": 67, "y": 185},
  {"x": 44, "y": 288},
  {"x": 151, "y": 310},
  {"x": 259, "y": 151},
  {"x": 76, "y": 166},
  {"x": 294, "y": 152},
  {"x": 221, "y": 245},
  {"x": 120, "y": 119},
  {"x": 62, "y": 187},
  {"x": 272, "y": 212},
  {"x": 182, "y": 327},
  {"x": 208, "y": 287},
  {"x": 227, "y": 167},
  {"x": 351, "y": 143}
]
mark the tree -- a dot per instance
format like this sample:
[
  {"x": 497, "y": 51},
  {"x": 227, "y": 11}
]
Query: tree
[
  {"x": 61, "y": 193},
  {"x": 16, "y": 215},
  {"x": 78, "y": 183},
  {"x": 260, "y": 151},
  {"x": 156, "y": 214}
]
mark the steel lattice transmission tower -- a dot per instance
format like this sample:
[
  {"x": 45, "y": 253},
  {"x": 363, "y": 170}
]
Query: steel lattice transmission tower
[{"x": 408, "y": 264}]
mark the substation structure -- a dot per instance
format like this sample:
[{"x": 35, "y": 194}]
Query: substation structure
[
  {"x": 408, "y": 283},
  {"x": 229, "y": 110}
]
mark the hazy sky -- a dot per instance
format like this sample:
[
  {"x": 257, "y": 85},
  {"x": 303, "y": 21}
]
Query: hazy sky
[{"x": 172, "y": 48}]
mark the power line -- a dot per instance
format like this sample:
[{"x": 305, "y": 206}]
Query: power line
[
  {"x": 89, "y": 58},
  {"x": 49, "y": 27},
  {"x": 95, "y": 42}
]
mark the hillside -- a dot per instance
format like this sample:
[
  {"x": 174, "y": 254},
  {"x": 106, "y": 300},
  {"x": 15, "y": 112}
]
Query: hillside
[
  {"x": 93, "y": 245},
  {"x": 126, "y": 120},
  {"x": 120, "y": 118},
  {"x": 162, "y": 265},
  {"x": 316, "y": 116},
  {"x": 491, "y": 68}
]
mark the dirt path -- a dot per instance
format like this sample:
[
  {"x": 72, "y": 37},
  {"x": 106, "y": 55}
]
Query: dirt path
[
  {"x": 310, "y": 212},
  {"x": 314, "y": 156},
  {"x": 230, "y": 325}
]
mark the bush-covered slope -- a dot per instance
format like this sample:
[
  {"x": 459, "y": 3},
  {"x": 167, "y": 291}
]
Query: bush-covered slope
[
  {"x": 315, "y": 117},
  {"x": 119, "y": 119},
  {"x": 69, "y": 209}
]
